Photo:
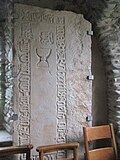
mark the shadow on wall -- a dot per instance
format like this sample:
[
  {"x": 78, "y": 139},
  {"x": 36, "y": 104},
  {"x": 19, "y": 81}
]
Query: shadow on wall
[{"x": 99, "y": 104}]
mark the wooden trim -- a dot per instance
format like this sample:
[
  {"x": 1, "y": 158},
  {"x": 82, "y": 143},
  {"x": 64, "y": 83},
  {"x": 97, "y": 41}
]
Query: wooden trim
[
  {"x": 55, "y": 147},
  {"x": 86, "y": 143},
  {"x": 114, "y": 140},
  {"x": 5, "y": 151}
]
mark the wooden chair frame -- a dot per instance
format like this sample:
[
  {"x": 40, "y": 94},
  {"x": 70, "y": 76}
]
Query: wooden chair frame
[
  {"x": 11, "y": 150},
  {"x": 97, "y": 133},
  {"x": 56, "y": 147}
]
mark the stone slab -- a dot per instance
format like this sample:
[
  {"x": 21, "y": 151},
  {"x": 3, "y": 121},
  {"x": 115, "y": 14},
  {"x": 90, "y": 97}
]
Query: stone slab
[{"x": 52, "y": 95}]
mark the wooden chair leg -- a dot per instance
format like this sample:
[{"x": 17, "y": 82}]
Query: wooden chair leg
[
  {"x": 75, "y": 153},
  {"x": 41, "y": 155},
  {"x": 28, "y": 155}
]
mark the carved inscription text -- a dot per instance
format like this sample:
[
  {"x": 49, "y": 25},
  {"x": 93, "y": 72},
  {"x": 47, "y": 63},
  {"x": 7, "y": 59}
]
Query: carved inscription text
[
  {"x": 61, "y": 84},
  {"x": 24, "y": 46}
]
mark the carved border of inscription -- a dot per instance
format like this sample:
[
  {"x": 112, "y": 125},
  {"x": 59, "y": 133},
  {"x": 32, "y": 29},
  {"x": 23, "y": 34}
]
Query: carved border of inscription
[
  {"x": 24, "y": 79},
  {"x": 61, "y": 84}
]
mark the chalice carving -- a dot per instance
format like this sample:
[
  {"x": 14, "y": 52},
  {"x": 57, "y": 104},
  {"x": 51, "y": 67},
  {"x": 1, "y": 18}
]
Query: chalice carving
[{"x": 43, "y": 55}]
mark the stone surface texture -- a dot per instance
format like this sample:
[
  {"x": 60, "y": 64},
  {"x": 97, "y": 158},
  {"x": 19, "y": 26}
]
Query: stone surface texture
[
  {"x": 8, "y": 45},
  {"x": 107, "y": 30},
  {"x": 52, "y": 94},
  {"x": 2, "y": 76}
]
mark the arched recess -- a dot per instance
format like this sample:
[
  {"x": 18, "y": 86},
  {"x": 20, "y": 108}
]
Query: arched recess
[{"x": 105, "y": 17}]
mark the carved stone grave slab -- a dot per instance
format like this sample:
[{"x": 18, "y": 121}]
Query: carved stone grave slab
[{"x": 52, "y": 95}]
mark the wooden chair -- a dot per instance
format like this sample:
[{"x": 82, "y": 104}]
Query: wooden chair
[
  {"x": 11, "y": 150},
  {"x": 43, "y": 150},
  {"x": 105, "y": 132}
]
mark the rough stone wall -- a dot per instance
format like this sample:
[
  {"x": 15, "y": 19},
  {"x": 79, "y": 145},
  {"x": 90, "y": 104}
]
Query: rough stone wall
[
  {"x": 8, "y": 33},
  {"x": 69, "y": 5},
  {"x": 2, "y": 75},
  {"x": 6, "y": 66},
  {"x": 109, "y": 37},
  {"x": 106, "y": 24}
]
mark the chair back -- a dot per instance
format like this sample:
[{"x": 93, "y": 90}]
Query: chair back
[
  {"x": 92, "y": 134},
  {"x": 11, "y": 150},
  {"x": 43, "y": 150}
]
